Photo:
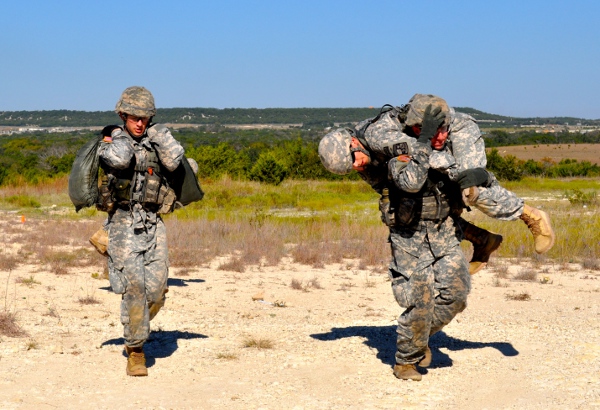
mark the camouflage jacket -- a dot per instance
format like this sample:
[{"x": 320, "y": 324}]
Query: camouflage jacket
[
  {"x": 465, "y": 148},
  {"x": 124, "y": 151}
]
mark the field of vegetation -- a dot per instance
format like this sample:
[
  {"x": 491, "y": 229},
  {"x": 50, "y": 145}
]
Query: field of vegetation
[
  {"x": 267, "y": 186},
  {"x": 315, "y": 222}
]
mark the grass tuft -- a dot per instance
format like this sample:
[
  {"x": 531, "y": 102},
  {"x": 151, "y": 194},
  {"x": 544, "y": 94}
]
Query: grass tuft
[
  {"x": 526, "y": 275},
  {"x": 9, "y": 326},
  {"x": 89, "y": 300},
  {"x": 258, "y": 343},
  {"x": 524, "y": 296},
  {"x": 29, "y": 282}
]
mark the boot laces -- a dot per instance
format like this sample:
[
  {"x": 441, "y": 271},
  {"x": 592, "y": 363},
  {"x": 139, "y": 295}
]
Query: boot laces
[{"x": 137, "y": 359}]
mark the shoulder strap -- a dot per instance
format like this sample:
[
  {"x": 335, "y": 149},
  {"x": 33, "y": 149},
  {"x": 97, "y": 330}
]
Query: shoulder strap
[{"x": 360, "y": 133}]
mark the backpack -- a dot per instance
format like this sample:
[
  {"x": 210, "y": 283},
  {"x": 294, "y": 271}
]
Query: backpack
[{"x": 83, "y": 179}]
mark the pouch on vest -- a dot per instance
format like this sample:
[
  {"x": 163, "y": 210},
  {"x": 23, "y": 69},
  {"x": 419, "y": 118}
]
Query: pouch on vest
[
  {"x": 151, "y": 189},
  {"x": 388, "y": 214},
  {"x": 106, "y": 202}
]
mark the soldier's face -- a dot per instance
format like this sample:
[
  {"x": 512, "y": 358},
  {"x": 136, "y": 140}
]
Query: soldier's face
[
  {"x": 439, "y": 139},
  {"x": 361, "y": 160},
  {"x": 136, "y": 125}
]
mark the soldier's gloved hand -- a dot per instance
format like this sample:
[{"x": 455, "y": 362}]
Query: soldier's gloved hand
[
  {"x": 472, "y": 177},
  {"x": 433, "y": 118},
  {"x": 106, "y": 131}
]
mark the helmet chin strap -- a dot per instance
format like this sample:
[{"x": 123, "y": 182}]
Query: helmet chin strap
[{"x": 360, "y": 149}]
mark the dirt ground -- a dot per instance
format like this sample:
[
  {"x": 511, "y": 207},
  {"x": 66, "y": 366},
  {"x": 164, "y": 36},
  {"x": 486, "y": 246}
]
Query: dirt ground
[
  {"x": 328, "y": 345},
  {"x": 556, "y": 152}
]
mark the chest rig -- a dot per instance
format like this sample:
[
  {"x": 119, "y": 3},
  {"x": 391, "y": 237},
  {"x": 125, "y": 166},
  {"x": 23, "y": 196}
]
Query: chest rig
[
  {"x": 143, "y": 182},
  {"x": 438, "y": 198}
]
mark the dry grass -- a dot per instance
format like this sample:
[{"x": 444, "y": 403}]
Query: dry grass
[
  {"x": 526, "y": 275},
  {"x": 88, "y": 300},
  {"x": 591, "y": 264},
  {"x": 9, "y": 326},
  {"x": 8, "y": 262},
  {"x": 524, "y": 296},
  {"x": 32, "y": 345},
  {"x": 227, "y": 356},
  {"x": 306, "y": 286},
  {"x": 258, "y": 343},
  {"x": 296, "y": 284},
  {"x": 234, "y": 265},
  {"x": 313, "y": 222},
  {"x": 29, "y": 282},
  {"x": 579, "y": 152}
]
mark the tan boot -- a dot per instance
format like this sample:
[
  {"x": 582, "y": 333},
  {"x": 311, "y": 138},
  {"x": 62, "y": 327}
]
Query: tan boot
[
  {"x": 100, "y": 241},
  {"x": 136, "y": 362},
  {"x": 538, "y": 223},
  {"x": 426, "y": 360},
  {"x": 407, "y": 372},
  {"x": 484, "y": 243}
]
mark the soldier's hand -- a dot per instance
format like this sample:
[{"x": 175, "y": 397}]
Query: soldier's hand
[
  {"x": 472, "y": 177},
  {"x": 433, "y": 118},
  {"x": 107, "y": 131}
]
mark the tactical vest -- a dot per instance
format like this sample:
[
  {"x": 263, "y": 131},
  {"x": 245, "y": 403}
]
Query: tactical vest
[
  {"x": 438, "y": 198},
  {"x": 142, "y": 182}
]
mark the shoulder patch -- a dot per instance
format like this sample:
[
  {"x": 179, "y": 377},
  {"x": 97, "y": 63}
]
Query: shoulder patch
[{"x": 400, "y": 149}]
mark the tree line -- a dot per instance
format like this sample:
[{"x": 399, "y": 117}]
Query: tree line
[
  {"x": 266, "y": 155},
  {"x": 308, "y": 117}
]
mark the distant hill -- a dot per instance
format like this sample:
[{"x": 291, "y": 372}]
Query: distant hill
[
  {"x": 484, "y": 117},
  {"x": 244, "y": 116}
]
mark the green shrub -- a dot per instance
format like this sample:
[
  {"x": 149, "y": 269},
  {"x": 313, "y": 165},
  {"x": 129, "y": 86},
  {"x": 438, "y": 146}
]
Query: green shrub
[
  {"x": 23, "y": 201},
  {"x": 268, "y": 170},
  {"x": 579, "y": 197}
]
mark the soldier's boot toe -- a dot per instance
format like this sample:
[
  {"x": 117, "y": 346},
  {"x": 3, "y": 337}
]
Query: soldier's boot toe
[
  {"x": 407, "y": 372},
  {"x": 136, "y": 362}
]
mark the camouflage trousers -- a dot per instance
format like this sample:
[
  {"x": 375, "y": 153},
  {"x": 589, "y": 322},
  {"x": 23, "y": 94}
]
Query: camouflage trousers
[
  {"x": 432, "y": 291},
  {"x": 138, "y": 270},
  {"x": 498, "y": 202}
]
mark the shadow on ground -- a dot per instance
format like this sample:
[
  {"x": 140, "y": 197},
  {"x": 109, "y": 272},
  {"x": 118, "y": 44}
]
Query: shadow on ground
[
  {"x": 182, "y": 282},
  {"x": 160, "y": 344},
  {"x": 383, "y": 340},
  {"x": 170, "y": 282}
]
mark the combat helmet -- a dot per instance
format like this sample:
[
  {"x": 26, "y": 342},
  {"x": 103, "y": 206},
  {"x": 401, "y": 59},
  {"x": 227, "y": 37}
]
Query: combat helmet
[
  {"x": 417, "y": 105},
  {"x": 334, "y": 151},
  {"x": 137, "y": 101}
]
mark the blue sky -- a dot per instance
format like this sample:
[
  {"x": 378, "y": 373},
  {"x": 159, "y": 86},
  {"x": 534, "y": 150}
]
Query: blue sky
[{"x": 513, "y": 57}]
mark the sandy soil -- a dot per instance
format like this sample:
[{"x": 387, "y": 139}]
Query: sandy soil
[{"x": 333, "y": 343}]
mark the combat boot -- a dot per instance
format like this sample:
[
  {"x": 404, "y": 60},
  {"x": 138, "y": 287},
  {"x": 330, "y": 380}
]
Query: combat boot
[
  {"x": 136, "y": 361},
  {"x": 100, "y": 241},
  {"x": 426, "y": 360},
  {"x": 407, "y": 372},
  {"x": 484, "y": 243},
  {"x": 538, "y": 223}
]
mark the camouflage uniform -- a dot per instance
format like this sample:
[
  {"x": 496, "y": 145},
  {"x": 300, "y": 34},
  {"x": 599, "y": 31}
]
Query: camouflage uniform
[
  {"x": 464, "y": 150},
  {"x": 429, "y": 273},
  {"x": 138, "y": 256},
  {"x": 468, "y": 148}
]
